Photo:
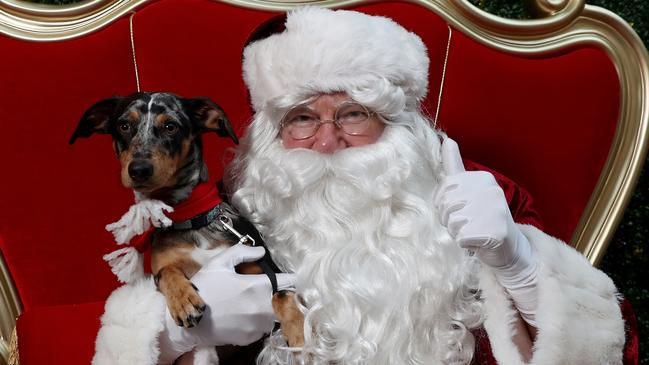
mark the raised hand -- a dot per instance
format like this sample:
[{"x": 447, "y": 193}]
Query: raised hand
[{"x": 473, "y": 207}]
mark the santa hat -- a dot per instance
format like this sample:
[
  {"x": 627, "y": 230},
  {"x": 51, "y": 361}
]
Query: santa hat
[{"x": 323, "y": 50}]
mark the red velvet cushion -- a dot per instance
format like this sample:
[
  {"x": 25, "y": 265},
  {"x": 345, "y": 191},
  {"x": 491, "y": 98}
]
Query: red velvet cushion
[
  {"x": 59, "y": 335},
  {"x": 547, "y": 123},
  {"x": 55, "y": 198},
  {"x": 60, "y": 197}
]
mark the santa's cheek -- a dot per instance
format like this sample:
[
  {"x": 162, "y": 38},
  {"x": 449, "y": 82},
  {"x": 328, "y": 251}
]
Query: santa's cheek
[{"x": 290, "y": 143}]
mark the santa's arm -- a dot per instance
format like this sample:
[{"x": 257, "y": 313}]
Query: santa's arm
[{"x": 569, "y": 305}]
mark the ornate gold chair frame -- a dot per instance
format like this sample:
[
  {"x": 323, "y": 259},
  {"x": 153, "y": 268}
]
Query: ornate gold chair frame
[{"x": 564, "y": 24}]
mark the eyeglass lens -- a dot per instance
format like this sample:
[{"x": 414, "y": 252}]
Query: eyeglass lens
[{"x": 302, "y": 122}]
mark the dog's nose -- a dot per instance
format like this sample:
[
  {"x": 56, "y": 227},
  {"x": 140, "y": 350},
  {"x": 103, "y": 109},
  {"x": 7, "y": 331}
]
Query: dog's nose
[{"x": 140, "y": 171}]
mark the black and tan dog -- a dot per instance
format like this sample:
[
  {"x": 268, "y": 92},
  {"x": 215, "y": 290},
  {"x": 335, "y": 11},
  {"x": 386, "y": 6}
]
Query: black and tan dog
[{"x": 157, "y": 139}]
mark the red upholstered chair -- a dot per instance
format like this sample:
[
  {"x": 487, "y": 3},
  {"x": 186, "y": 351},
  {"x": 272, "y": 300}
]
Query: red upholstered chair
[{"x": 557, "y": 104}]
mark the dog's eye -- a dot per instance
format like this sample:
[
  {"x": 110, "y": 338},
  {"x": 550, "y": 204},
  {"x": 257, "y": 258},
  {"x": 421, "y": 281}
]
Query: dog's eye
[
  {"x": 170, "y": 128},
  {"x": 124, "y": 127}
]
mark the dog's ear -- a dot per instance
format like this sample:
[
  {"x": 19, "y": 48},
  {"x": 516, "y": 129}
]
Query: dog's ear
[
  {"x": 209, "y": 117},
  {"x": 95, "y": 119}
]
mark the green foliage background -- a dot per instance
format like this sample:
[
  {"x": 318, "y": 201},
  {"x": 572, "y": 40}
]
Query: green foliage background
[{"x": 627, "y": 259}]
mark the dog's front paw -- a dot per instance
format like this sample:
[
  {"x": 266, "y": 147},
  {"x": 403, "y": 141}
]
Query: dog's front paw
[{"x": 185, "y": 305}]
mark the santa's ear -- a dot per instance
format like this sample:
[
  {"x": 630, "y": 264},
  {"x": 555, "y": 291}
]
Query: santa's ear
[
  {"x": 209, "y": 117},
  {"x": 96, "y": 118}
]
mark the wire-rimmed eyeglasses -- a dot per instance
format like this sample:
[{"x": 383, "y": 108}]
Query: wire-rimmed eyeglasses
[{"x": 301, "y": 122}]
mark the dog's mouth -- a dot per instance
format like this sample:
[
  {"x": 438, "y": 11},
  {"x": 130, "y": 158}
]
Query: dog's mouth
[
  {"x": 144, "y": 187},
  {"x": 141, "y": 187},
  {"x": 150, "y": 188}
]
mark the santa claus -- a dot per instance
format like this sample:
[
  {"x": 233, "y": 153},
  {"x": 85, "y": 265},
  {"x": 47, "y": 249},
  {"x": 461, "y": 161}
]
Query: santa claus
[{"x": 399, "y": 254}]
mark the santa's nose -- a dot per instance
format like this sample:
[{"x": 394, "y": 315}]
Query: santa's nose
[{"x": 328, "y": 138}]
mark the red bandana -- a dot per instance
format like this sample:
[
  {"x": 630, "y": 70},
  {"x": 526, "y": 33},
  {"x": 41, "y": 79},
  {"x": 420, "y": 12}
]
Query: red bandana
[{"x": 203, "y": 198}]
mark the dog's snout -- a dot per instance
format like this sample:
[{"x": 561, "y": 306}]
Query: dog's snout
[{"x": 140, "y": 170}]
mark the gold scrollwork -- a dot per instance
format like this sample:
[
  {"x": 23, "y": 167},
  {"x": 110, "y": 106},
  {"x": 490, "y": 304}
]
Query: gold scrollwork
[
  {"x": 38, "y": 11},
  {"x": 9, "y": 309},
  {"x": 480, "y": 21},
  {"x": 43, "y": 22},
  {"x": 545, "y": 8}
]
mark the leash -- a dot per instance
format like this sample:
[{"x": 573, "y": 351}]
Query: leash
[{"x": 216, "y": 214}]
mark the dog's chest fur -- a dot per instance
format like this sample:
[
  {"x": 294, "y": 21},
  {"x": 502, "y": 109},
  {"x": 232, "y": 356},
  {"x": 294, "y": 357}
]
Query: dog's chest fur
[{"x": 205, "y": 242}]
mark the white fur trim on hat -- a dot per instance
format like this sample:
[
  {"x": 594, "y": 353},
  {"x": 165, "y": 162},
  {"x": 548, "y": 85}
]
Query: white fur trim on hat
[{"x": 324, "y": 50}]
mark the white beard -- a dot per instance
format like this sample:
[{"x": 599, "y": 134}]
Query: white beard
[{"x": 381, "y": 280}]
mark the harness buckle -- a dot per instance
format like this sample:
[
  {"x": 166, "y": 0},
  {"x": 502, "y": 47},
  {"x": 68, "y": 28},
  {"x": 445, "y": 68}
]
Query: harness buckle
[{"x": 226, "y": 222}]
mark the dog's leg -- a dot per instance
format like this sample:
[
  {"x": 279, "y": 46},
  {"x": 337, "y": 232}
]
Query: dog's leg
[
  {"x": 290, "y": 316},
  {"x": 249, "y": 268},
  {"x": 184, "y": 303},
  {"x": 172, "y": 267}
]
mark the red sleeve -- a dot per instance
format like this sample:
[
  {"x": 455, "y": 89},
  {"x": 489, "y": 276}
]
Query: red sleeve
[
  {"x": 482, "y": 354},
  {"x": 631, "y": 332},
  {"x": 519, "y": 200}
]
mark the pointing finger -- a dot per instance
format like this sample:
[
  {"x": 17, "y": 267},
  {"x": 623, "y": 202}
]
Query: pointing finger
[{"x": 451, "y": 158}]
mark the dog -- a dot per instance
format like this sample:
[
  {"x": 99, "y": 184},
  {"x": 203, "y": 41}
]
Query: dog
[{"x": 157, "y": 139}]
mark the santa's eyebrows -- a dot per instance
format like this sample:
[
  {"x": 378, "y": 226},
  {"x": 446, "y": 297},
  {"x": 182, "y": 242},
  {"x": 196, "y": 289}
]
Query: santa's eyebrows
[{"x": 306, "y": 108}]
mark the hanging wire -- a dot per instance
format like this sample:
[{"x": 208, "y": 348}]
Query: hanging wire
[
  {"x": 441, "y": 86},
  {"x": 137, "y": 74}
]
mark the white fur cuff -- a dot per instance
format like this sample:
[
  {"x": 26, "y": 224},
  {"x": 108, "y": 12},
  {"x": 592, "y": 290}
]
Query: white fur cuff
[
  {"x": 130, "y": 326},
  {"x": 579, "y": 318}
]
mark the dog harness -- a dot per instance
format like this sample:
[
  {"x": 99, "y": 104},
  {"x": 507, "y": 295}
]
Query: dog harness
[{"x": 201, "y": 208}]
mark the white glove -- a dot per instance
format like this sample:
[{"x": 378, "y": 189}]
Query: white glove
[
  {"x": 473, "y": 207},
  {"x": 239, "y": 309}
]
